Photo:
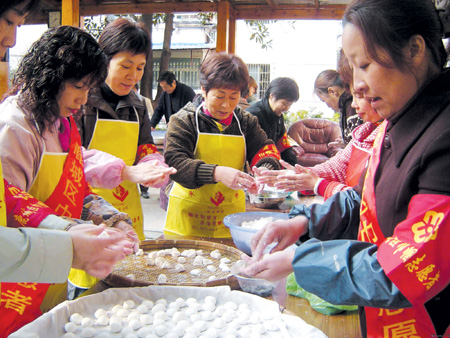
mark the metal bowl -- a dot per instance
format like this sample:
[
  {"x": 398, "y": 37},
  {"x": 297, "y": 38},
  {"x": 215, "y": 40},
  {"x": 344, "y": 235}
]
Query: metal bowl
[{"x": 268, "y": 199}]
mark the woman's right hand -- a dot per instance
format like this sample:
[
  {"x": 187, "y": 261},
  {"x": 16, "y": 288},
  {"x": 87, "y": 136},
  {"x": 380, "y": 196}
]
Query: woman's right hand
[
  {"x": 285, "y": 233},
  {"x": 97, "y": 248}
]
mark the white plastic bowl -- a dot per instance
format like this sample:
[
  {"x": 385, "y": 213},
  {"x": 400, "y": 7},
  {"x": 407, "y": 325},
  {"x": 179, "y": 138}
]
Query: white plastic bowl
[{"x": 242, "y": 236}]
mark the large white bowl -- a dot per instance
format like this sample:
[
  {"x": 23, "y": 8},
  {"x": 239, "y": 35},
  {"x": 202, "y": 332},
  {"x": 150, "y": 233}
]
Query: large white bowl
[{"x": 242, "y": 236}]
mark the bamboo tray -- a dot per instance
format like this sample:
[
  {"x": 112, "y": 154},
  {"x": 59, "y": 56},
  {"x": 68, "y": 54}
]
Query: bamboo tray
[{"x": 144, "y": 275}]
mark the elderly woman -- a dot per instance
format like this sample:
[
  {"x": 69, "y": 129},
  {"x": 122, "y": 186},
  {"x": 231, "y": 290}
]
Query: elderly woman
[{"x": 209, "y": 142}]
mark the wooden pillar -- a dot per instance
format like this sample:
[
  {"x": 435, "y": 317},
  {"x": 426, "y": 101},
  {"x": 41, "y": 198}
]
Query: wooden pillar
[
  {"x": 70, "y": 11},
  {"x": 232, "y": 31},
  {"x": 4, "y": 77},
  {"x": 223, "y": 18}
]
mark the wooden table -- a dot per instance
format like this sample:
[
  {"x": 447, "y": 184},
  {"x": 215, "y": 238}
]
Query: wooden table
[{"x": 345, "y": 325}]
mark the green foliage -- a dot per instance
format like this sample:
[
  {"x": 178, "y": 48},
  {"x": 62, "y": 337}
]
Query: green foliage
[
  {"x": 260, "y": 32},
  {"x": 95, "y": 25},
  {"x": 207, "y": 18}
]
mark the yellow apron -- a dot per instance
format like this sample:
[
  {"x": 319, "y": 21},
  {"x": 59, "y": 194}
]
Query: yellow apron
[
  {"x": 120, "y": 138},
  {"x": 200, "y": 212}
]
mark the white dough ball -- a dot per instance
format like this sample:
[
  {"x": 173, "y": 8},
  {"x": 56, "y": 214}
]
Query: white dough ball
[
  {"x": 143, "y": 332},
  {"x": 171, "y": 335},
  {"x": 135, "y": 324},
  {"x": 160, "y": 315},
  {"x": 255, "y": 335},
  {"x": 207, "y": 315},
  {"x": 157, "y": 308},
  {"x": 161, "y": 301},
  {"x": 210, "y": 299},
  {"x": 182, "y": 260},
  {"x": 190, "y": 301},
  {"x": 87, "y": 322},
  {"x": 76, "y": 318},
  {"x": 259, "y": 328},
  {"x": 122, "y": 313},
  {"x": 159, "y": 322},
  {"x": 148, "y": 303},
  {"x": 131, "y": 335},
  {"x": 70, "y": 327},
  {"x": 193, "y": 330},
  {"x": 190, "y": 335},
  {"x": 245, "y": 331},
  {"x": 146, "y": 319},
  {"x": 116, "y": 308},
  {"x": 243, "y": 307},
  {"x": 134, "y": 315},
  {"x": 100, "y": 312},
  {"x": 129, "y": 304},
  {"x": 228, "y": 316},
  {"x": 174, "y": 305},
  {"x": 178, "y": 331},
  {"x": 220, "y": 310},
  {"x": 103, "y": 320},
  {"x": 126, "y": 330},
  {"x": 151, "y": 335},
  {"x": 219, "y": 323},
  {"x": 271, "y": 325},
  {"x": 161, "y": 330},
  {"x": 103, "y": 335},
  {"x": 116, "y": 326},
  {"x": 88, "y": 332},
  {"x": 180, "y": 301},
  {"x": 184, "y": 324},
  {"x": 195, "y": 318},
  {"x": 211, "y": 332},
  {"x": 208, "y": 306},
  {"x": 69, "y": 335}
]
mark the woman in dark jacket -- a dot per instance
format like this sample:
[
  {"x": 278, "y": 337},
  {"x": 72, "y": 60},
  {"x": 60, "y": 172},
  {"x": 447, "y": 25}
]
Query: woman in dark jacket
[{"x": 385, "y": 251}]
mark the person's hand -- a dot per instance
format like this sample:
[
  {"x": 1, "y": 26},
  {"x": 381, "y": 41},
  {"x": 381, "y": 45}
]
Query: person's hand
[
  {"x": 149, "y": 174},
  {"x": 264, "y": 176},
  {"x": 97, "y": 248},
  {"x": 273, "y": 267},
  {"x": 296, "y": 178},
  {"x": 129, "y": 232},
  {"x": 285, "y": 233},
  {"x": 338, "y": 143},
  {"x": 235, "y": 179}
]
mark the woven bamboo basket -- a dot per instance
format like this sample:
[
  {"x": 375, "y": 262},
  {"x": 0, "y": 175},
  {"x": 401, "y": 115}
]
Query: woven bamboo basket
[{"x": 144, "y": 275}]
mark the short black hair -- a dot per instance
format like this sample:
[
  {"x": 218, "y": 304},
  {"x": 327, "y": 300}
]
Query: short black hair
[
  {"x": 168, "y": 77},
  {"x": 122, "y": 35},
  {"x": 283, "y": 88},
  {"x": 24, "y": 6}
]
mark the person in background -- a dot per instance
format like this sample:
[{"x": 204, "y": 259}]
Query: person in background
[
  {"x": 41, "y": 150},
  {"x": 115, "y": 121},
  {"x": 343, "y": 170},
  {"x": 209, "y": 142},
  {"x": 252, "y": 90},
  {"x": 331, "y": 90},
  {"x": 174, "y": 97},
  {"x": 396, "y": 265},
  {"x": 280, "y": 95},
  {"x": 243, "y": 103}
]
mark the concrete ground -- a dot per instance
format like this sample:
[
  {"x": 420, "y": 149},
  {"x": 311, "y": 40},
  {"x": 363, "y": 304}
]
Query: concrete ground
[{"x": 154, "y": 216}]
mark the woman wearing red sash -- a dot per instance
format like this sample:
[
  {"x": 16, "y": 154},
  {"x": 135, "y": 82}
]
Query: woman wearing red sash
[
  {"x": 386, "y": 250},
  {"x": 41, "y": 148},
  {"x": 340, "y": 172}
]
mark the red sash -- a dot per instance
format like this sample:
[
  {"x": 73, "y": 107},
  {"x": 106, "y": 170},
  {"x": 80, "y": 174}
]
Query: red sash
[
  {"x": 20, "y": 302},
  {"x": 407, "y": 322}
]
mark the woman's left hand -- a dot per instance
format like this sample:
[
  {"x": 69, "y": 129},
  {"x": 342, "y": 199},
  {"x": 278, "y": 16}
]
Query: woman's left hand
[
  {"x": 129, "y": 232},
  {"x": 272, "y": 267}
]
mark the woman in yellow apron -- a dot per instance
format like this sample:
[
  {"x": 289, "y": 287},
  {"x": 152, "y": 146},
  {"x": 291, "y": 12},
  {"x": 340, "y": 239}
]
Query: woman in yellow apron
[
  {"x": 116, "y": 119},
  {"x": 42, "y": 154},
  {"x": 209, "y": 143}
]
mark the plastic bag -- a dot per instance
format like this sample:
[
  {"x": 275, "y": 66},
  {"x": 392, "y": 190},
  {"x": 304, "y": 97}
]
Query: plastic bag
[{"x": 317, "y": 303}]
